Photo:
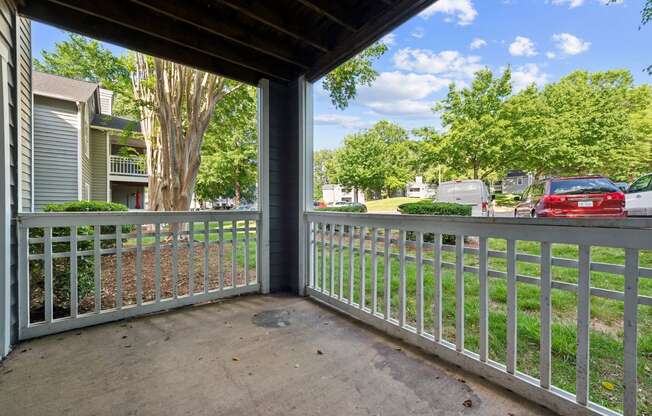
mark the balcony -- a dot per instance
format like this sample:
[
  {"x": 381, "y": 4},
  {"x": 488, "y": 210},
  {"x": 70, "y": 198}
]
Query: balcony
[
  {"x": 487, "y": 295},
  {"x": 124, "y": 168}
]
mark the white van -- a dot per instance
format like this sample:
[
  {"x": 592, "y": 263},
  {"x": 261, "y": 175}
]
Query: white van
[
  {"x": 467, "y": 192},
  {"x": 638, "y": 198}
]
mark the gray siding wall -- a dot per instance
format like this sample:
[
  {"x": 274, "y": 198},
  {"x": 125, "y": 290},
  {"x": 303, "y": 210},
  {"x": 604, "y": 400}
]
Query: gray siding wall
[
  {"x": 283, "y": 186},
  {"x": 99, "y": 191},
  {"x": 8, "y": 51},
  {"x": 56, "y": 125},
  {"x": 24, "y": 102}
]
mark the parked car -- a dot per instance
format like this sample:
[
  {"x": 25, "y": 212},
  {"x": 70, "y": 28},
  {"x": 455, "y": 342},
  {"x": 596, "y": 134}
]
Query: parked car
[
  {"x": 467, "y": 192},
  {"x": 580, "y": 196},
  {"x": 638, "y": 199}
]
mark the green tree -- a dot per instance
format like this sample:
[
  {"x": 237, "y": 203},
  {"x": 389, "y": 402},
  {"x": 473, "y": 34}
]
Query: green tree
[
  {"x": 323, "y": 162},
  {"x": 398, "y": 160},
  {"x": 359, "y": 164},
  {"x": 228, "y": 167},
  {"x": 476, "y": 138},
  {"x": 86, "y": 59},
  {"x": 343, "y": 82}
]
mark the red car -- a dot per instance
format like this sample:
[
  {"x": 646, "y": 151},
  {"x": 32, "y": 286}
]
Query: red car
[{"x": 580, "y": 196}]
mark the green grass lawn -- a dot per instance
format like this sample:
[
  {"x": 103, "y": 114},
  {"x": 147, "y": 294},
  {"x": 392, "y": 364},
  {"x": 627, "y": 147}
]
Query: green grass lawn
[
  {"x": 506, "y": 200},
  {"x": 606, "y": 337},
  {"x": 388, "y": 204}
]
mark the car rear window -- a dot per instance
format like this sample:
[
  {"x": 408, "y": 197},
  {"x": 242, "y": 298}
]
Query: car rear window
[{"x": 582, "y": 186}]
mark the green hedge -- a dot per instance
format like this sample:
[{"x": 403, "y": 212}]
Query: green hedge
[
  {"x": 435, "y": 208},
  {"x": 346, "y": 208},
  {"x": 61, "y": 265},
  {"x": 428, "y": 207}
]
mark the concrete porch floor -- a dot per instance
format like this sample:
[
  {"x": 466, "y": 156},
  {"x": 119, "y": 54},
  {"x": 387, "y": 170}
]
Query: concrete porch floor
[{"x": 254, "y": 355}]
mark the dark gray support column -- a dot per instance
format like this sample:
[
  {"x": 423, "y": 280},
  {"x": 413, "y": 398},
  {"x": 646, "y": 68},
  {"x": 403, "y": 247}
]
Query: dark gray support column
[{"x": 283, "y": 186}]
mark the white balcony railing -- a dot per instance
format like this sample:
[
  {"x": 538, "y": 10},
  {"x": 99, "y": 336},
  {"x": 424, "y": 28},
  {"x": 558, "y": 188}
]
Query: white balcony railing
[
  {"x": 81, "y": 269},
  {"x": 492, "y": 295},
  {"x": 131, "y": 166}
]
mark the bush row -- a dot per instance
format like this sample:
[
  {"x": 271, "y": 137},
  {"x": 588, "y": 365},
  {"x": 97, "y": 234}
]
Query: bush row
[
  {"x": 346, "y": 208},
  {"x": 428, "y": 207}
]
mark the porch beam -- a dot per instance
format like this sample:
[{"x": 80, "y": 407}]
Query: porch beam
[
  {"x": 275, "y": 16},
  {"x": 183, "y": 34},
  {"x": 231, "y": 29},
  {"x": 335, "y": 11},
  {"x": 88, "y": 25}
]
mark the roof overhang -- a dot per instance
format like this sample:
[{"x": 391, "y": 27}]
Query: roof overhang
[{"x": 244, "y": 40}]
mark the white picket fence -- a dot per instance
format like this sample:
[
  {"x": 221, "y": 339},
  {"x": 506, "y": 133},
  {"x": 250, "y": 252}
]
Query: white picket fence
[
  {"x": 67, "y": 252},
  {"x": 334, "y": 237}
]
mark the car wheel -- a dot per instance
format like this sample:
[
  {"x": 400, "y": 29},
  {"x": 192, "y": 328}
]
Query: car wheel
[
  {"x": 515, "y": 214},
  {"x": 533, "y": 214}
]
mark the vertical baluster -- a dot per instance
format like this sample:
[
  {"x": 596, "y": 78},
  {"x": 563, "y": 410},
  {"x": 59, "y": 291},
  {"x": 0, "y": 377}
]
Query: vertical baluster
[
  {"x": 483, "y": 276},
  {"x": 313, "y": 262},
  {"x": 419, "y": 278},
  {"x": 157, "y": 259},
  {"x": 331, "y": 248},
  {"x": 175, "y": 271},
  {"x": 97, "y": 262},
  {"x": 118, "y": 266},
  {"x": 351, "y": 256},
  {"x": 246, "y": 253},
  {"x": 47, "y": 260},
  {"x": 340, "y": 252},
  {"x": 191, "y": 258},
  {"x": 546, "y": 315},
  {"x": 74, "y": 296},
  {"x": 630, "y": 328},
  {"x": 139, "y": 264},
  {"x": 234, "y": 253},
  {"x": 437, "y": 305},
  {"x": 323, "y": 256},
  {"x": 374, "y": 272},
  {"x": 459, "y": 293},
  {"x": 583, "y": 318},
  {"x": 401, "y": 287},
  {"x": 363, "y": 270},
  {"x": 511, "y": 307},
  {"x": 387, "y": 243},
  {"x": 221, "y": 265},
  {"x": 206, "y": 253}
]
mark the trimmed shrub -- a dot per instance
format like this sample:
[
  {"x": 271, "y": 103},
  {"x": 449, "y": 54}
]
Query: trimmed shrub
[
  {"x": 435, "y": 208},
  {"x": 61, "y": 266},
  {"x": 345, "y": 208}
]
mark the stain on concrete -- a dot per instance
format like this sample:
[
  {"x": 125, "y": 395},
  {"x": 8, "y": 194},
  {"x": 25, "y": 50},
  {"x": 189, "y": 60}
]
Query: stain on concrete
[
  {"x": 276, "y": 318},
  {"x": 440, "y": 389}
]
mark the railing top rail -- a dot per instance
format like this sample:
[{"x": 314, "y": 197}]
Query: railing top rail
[
  {"x": 625, "y": 233},
  {"x": 59, "y": 219}
]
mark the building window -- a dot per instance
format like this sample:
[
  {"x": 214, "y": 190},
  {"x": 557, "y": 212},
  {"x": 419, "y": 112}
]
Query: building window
[{"x": 519, "y": 181}]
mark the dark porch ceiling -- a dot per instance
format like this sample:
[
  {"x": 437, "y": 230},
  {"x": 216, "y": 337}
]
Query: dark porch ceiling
[{"x": 241, "y": 39}]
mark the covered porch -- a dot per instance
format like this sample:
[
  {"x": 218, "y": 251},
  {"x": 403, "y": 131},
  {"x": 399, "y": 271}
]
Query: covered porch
[{"x": 131, "y": 313}]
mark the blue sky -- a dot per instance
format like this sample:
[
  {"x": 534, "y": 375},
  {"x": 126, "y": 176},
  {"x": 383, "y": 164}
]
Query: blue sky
[{"x": 542, "y": 40}]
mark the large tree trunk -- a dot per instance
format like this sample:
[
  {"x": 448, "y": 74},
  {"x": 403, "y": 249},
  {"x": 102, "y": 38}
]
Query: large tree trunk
[
  {"x": 177, "y": 103},
  {"x": 238, "y": 194}
]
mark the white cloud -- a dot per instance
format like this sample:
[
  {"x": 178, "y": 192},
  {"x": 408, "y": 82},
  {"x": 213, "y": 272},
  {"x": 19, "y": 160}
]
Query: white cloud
[
  {"x": 569, "y": 44},
  {"x": 477, "y": 43},
  {"x": 349, "y": 122},
  {"x": 524, "y": 76},
  {"x": 418, "y": 33},
  {"x": 389, "y": 39},
  {"x": 551, "y": 55},
  {"x": 463, "y": 10},
  {"x": 414, "y": 108},
  {"x": 571, "y": 3},
  {"x": 451, "y": 64},
  {"x": 522, "y": 46}
]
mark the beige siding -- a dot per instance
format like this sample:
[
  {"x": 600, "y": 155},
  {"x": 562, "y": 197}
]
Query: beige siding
[
  {"x": 99, "y": 161},
  {"x": 24, "y": 116}
]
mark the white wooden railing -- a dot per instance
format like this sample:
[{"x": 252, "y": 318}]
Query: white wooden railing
[
  {"x": 80, "y": 269},
  {"x": 122, "y": 165},
  {"x": 393, "y": 299}
]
